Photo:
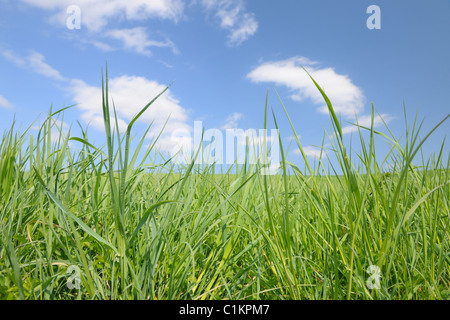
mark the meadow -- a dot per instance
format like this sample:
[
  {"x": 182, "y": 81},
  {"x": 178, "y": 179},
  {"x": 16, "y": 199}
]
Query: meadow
[{"x": 111, "y": 222}]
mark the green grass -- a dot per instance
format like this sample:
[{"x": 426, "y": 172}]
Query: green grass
[{"x": 138, "y": 229}]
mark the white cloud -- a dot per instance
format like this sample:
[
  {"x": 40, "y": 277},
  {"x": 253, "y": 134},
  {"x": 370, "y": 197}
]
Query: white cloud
[
  {"x": 230, "y": 15},
  {"x": 346, "y": 97},
  {"x": 37, "y": 64},
  {"x": 4, "y": 103},
  {"x": 59, "y": 130},
  {"x": 136, "y": 39},
  {"x": 311, "y": 151},
  {"x": 11, "y": 56},
  {"x": 130, "y": 94},
  {"x": 101, "y": 45},
  {"x": 366, "y": 121},
  {"x": 293, "y": 138},
  {"x": 233, "y": 17},
  {"x": 34, "y": 61},
  {"x": 96, "y": 14},
  {"x": 232, "y": 121},
  {"x": 244, "y": 30}
]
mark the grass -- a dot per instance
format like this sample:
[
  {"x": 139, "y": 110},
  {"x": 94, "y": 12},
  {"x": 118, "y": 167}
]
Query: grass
[{"x": 129, "y": 229}]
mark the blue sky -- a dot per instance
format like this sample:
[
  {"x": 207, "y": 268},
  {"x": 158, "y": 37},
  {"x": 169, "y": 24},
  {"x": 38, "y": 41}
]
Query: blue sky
[{"x": 223, "y": 56}]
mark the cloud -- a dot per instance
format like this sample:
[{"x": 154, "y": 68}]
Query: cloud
[
  {"x": 34, "y": 61},
  {"x": 312, "y": 151},
  {"x": 11, "y": 56},
  {"x": 4, "y": 103},
  {"x": 233, "y": 17},
  {"x": 232, "y": 121},
  {"x": 59, "y": 130},
  {"x": 230, "y": 15},
  {"x": 346, "y": 97},
  {"x": 130, "y": 94},
  {"x": 102, "y": 46},
  {"x": 136, "y": 39},
  {"x": 293, "y": 138},
  {"x": 37, "y": 64},
  {"x": 95, "y": 15},
  {"x": 366, "y": 121}
]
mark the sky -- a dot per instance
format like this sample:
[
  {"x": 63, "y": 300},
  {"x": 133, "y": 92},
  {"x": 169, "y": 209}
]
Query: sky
[{"x": 221, "y": 58}]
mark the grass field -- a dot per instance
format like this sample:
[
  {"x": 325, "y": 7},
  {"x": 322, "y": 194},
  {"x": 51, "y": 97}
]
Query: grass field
[{"x": 100, "y": 223}]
